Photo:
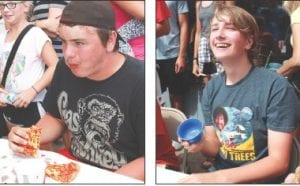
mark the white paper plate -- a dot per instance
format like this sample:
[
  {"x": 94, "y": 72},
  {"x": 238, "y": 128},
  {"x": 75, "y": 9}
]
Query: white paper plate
[{"x": 9, "y": 162}]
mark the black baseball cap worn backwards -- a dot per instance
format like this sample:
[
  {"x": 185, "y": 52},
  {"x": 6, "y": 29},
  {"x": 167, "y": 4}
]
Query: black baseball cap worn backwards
[{"x": 99, "y": 14}]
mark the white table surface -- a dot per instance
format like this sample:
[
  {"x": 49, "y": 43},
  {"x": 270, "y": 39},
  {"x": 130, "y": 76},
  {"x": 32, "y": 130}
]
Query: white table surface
[
  {"x": 168, "y": 176},
  {"x": 86, "y": 174}
]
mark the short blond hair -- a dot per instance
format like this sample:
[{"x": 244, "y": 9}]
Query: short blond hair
[{"x": 29, "y": 4}]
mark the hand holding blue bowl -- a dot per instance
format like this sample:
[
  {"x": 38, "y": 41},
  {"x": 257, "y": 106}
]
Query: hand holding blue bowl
[{"x": 191, "y": 130}]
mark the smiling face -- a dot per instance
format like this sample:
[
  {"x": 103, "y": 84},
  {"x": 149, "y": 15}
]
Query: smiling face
[
  {"x": 233, "y": 33},
  {"x": 220, "y": 121},
  {"x": 14, "y": 12},
  {"x": 226, "y": 41}
]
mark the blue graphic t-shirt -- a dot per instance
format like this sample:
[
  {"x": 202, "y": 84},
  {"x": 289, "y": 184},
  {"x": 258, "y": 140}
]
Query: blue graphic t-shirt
[{"x": 242, "y": 114}]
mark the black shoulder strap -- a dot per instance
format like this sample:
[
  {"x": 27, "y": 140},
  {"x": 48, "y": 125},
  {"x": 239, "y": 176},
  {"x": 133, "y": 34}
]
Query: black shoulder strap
[{"x": 13, "y": 52}]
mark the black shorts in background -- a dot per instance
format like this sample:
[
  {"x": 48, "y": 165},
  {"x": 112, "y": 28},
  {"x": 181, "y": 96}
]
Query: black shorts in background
[
  {"x": 23, "y": 116},
  {"x": 177, "y": 83}
]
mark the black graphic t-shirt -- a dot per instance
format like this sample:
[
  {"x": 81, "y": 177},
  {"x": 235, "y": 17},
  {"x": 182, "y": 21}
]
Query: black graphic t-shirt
[
  {"x": 242, "y": 114},
  {"x": 106, "y": 118}
]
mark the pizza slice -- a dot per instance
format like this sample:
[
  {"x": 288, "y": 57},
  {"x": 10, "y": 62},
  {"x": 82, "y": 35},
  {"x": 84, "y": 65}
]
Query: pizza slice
[
  {"x": 64, "y": 173},
  {"x": 297, "y": 175},
  {"x": 33, "y": 143}
]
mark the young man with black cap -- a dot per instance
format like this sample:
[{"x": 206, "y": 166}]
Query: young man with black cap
[{"x": 98, "y": 94}]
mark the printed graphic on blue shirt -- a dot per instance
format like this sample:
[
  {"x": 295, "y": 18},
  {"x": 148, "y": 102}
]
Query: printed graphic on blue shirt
[{"x": 235, "y": 132}]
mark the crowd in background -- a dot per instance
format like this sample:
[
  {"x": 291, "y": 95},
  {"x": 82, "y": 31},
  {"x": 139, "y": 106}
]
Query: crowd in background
[
  {"x": 186, "y": 65},
  {"x": 76, "y": 66},
  {"x": 185, "y": 62},
  {"x": 274, "y": 46}
]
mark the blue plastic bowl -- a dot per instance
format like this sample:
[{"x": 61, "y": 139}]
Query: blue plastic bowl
[{"x": 191, "y": 130}]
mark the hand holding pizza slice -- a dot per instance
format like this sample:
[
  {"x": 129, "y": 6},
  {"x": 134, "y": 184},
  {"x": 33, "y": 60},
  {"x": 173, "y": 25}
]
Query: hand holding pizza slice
[{"x": 33, "y": 144}]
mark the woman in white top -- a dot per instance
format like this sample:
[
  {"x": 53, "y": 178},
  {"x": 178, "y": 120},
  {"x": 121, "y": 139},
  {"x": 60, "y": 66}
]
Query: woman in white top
[
  {"x": 292, "y": 64},
  {"x": 27, "y": 78}
]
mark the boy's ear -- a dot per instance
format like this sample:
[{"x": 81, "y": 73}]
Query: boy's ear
[
  {"x": 112, "y": 41},
  {"x": 249, "y": 43}
]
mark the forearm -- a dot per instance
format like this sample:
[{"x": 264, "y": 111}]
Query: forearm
[
  {"x": 263, "y": 169},
  {"x": 196, "y": 45},
  {"x": 271, "y": 166},
  {"x": 183, "y": 43},
  {"x": 43, "y": 24},
  {"x": 196, "y": 70},
  {"x": 162, "y": 28},
  {"x": 134, "y": 169},
  {"x": 45, "y": 80},
  {"x": 293, "y": 63},
  {"x": 197, "y": 39},
  {"x": 50, "y": 25},
  {"x": 50, "y": 59},
  {"x": 52, "y": 128},
  {"x": 184, "y": 35},
  {"x": 53, "y": 14},
  {"x": 210, "y": 146},
  {"x": 197, "y": 30},
  {"x": 289, "y": 67}
]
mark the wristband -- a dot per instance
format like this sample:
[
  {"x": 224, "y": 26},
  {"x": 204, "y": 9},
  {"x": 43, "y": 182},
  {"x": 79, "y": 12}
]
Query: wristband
[
  {"x": 195, "y": 58},
  {"x": 34, "y": 89}
]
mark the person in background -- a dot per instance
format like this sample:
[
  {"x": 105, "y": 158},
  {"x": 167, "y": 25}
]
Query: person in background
[
  {"x": 162, "y": 18},
  {"x": 202, "y": 54},
  {"x": 2, "y": 26},
  {"x": 171, "y": 53},
  {"x": 256, "y": 142},
  {"x": 268, "y": 48},
  {"x": 3, "y": 127},
  {"x": 46, "y": 15},
  {"x": 27, "y": 77},
  {"x": 165, "y": 152},
  {"x": 97, "y": 93},
  {"x": 162, "y": 28},
  {"x": 130, "y": 25},
  {"x": 190, "y": 48},
  {"x": 204, "y": 11},
  {"x": 292, "y": 65}
]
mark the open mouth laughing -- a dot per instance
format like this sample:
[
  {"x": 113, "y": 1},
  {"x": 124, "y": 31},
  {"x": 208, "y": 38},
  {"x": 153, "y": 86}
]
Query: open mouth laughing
[{"x": 222, "y": 45}]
